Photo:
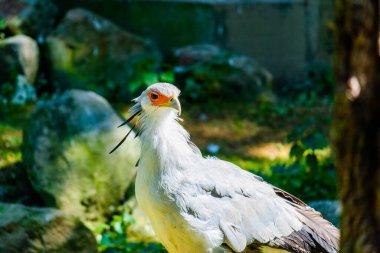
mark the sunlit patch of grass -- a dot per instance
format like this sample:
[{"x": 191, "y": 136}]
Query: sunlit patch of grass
[
  {"x": 323, "y": 154},
  {"x": 228, "y": 129},
  {"x": 260, "y": 165},
  {"x": 270, "y": 150}
]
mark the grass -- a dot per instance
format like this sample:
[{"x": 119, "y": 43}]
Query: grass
[{"x": 13, "y": 119}]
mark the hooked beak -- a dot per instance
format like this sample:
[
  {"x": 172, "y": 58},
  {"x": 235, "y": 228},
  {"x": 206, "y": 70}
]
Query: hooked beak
[{"x": 173, "y": 103}]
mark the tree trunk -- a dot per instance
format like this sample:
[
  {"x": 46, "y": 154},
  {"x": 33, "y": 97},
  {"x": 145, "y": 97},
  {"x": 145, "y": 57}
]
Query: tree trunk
[{"x": 356, "y": 132}]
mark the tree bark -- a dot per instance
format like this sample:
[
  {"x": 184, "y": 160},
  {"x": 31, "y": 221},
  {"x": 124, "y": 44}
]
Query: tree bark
[{"x": 356, "y": 131}]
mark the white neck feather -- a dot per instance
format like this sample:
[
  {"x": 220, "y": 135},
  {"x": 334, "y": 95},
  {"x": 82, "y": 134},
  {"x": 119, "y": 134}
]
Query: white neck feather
[{"x": 165, "y": 142}]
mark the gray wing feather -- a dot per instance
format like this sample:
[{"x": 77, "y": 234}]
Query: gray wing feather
[
  {"x": 236, "y": 238},
  {"x": 249, "y": 211}
]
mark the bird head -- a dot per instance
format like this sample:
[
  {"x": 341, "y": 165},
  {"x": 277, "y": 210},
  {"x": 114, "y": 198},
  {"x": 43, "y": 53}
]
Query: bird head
[
  {"x": 159, "y": 98},
  {"x": 157, "y": 102}
]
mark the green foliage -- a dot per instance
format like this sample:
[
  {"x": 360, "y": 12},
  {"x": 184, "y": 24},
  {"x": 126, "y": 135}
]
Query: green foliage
[
  {"x": 272, "y": 114},
  {"x": 309, "y": 173},
  {"x": 312, "y": 179},
  {"x": 309, "y": 135},
  {"x": 3, "y": 25},
  {"x": 206, "y": 78},
  {"x": 7, "y": 90},
  {"x": 317, "y": 88},
  {"x": 144, "y": 74},
  {"x": 113, "y": 237}
]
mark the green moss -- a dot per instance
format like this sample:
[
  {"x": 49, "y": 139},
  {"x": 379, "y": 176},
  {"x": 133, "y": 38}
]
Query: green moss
[{"x": 10, "y": 145}]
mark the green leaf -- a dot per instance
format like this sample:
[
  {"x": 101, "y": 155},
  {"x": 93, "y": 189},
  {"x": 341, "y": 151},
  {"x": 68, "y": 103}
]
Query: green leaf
[
  {"x": 297, "y": 151},
  {"x": 315, "y": 140},
  {"x": 134, "y": 85},
  {"x": 106, "y": 240},
  {"x": 312, "y": 161},
  {"x": 102, "y": 227},
  {"x": 167, "y": 76},
  {"x": 3, "y": 23},
  {"x": 118, "y": 227},
  {"x": 150, "y": 78},
  {"x": 128, "y": 218},
  {"x": 297, "y": 182}
]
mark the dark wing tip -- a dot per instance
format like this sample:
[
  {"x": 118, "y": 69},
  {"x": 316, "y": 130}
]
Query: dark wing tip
[{"x": 317, "y": 234}]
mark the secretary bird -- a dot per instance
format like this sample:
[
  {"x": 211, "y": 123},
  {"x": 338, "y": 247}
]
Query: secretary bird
[{"x": 202, "y": 204}]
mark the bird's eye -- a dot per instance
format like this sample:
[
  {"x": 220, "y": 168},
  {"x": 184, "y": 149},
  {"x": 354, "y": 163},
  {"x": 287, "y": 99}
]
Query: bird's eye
[{"x": 153, "y": 96}]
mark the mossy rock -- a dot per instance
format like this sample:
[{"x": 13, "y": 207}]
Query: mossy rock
[
  {"x": 65, "y": 151},
  {"x": 31, "y": 17},
  {"x": 205, "y": 70},
  {"x": 32, "y": 229},
  {"x": 89, "y": 52},
  {"x": 19, "y": 63}
]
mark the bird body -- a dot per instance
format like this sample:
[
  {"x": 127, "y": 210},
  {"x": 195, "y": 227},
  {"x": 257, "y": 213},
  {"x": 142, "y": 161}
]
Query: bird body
[
  {"x": 204, "y": 205},
  {"x": 157, "y": 189}
]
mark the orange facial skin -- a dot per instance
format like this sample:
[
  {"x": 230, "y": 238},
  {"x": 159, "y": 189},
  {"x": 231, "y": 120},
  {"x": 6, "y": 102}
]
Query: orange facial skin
[{"x": 159, "y": 99}]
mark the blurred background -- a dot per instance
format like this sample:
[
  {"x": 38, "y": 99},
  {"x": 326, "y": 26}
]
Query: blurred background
[{"x": 257, "y": 90}]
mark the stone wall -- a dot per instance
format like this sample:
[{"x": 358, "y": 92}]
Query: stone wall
[
  {"x": 283, "y": 35},
  {"x": 275, "y": 34}
]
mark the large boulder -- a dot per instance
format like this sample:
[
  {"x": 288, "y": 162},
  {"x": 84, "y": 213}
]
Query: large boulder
[
  {"x": 206, "y": 69},
  {"x": 31, "y": 229},
  {"x": 32, "y": 17},
  {"x": 65, "y": 151},
  {"x": 89, "y": 52},
  {"x": 19, "y": 65}
]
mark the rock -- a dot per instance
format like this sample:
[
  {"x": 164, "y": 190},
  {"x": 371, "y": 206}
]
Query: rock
[
  {"x": 32, "y": 17},
  {"x": 330, "y": 210},
  {"x": 195, "y": 53},
  {"x": 65, "y": 151},
  {"x": 24, "y": 92},
  {"x": 31, "y": 229},
  {"x": 19, "y": 56},
  {"x": 89, "y": 52},
  {"x": 19, "y": 60},
  {"x": 206, "y": 69}
]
